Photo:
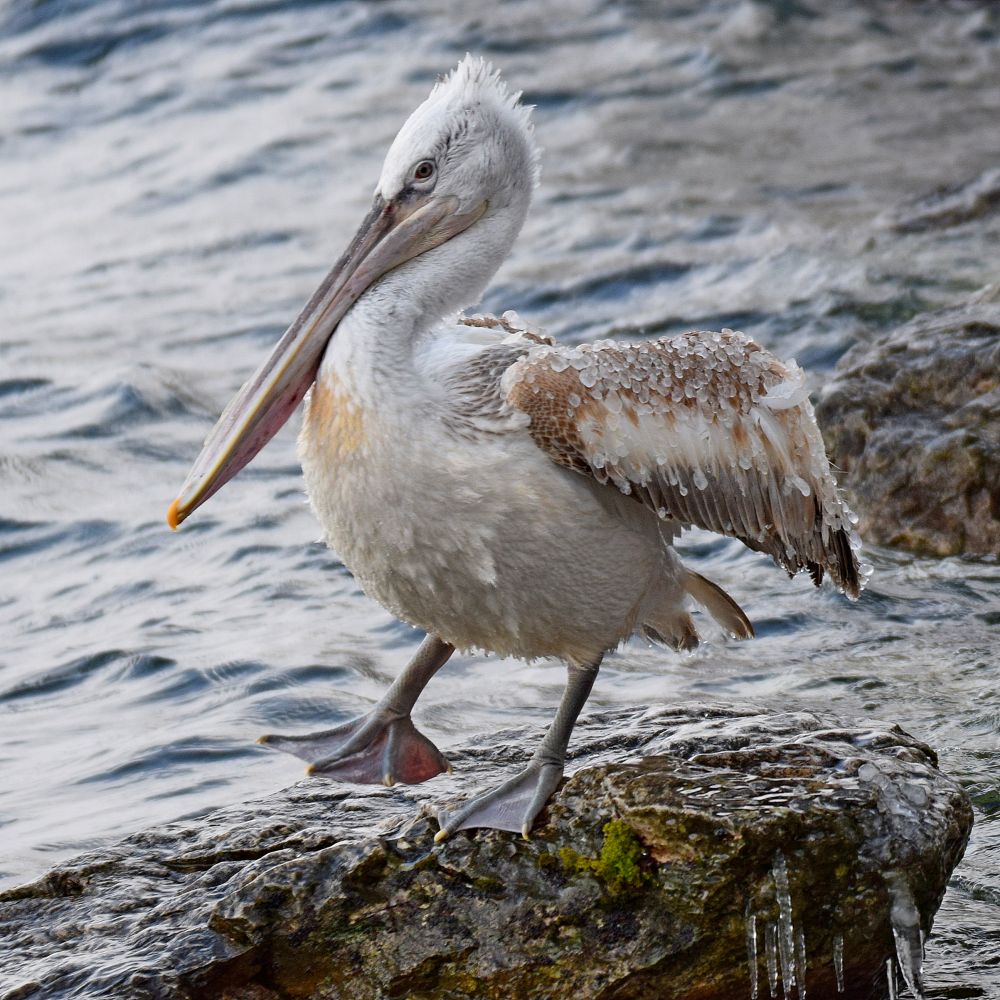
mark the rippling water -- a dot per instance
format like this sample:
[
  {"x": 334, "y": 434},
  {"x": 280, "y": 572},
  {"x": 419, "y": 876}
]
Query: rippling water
[{"x": 175, "y": 178}]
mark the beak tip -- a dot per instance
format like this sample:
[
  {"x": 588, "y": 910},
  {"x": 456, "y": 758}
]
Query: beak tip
[{"x": 172, "y": 519}]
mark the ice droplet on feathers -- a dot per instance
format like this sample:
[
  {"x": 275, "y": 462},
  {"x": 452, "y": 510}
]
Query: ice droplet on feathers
[{"x": 733, "y": 415}]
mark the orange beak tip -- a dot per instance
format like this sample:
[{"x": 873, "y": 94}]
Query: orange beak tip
[{"x": 172, "y": 515}]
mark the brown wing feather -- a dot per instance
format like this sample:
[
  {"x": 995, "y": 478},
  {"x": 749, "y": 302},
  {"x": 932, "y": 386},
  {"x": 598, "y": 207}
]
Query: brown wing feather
[{"x": 706, "y": 428}]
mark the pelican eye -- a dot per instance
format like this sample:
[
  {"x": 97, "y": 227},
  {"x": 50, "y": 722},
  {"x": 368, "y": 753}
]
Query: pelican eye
[{"x": 424, "y": 170}]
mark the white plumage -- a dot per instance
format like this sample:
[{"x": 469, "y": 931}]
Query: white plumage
[{"x": 503, "y": 492}]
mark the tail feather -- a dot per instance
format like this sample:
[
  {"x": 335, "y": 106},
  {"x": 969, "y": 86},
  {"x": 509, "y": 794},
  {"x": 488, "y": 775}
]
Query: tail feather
[
  {"x": 719, "y": 605},
  {"x": 677, "y": 632}
]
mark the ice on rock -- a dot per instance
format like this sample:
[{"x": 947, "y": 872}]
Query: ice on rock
[
  {"x": 870, "y": 773},
  {"x": 905, "y": 920},
  {"x": 751, "y": 930},
  {"x": 800, "y": 953},
  {"x": 838, "y": 961},
  {"x": 786, "y": 929},
  {"x": 771, "y": 954},
  {"x": 784, "y": 948},
  {"x": 915, "y": 794}
]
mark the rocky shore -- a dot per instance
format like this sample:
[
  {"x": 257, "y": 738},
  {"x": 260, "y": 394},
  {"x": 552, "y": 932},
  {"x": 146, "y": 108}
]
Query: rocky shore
[
  {"x": 696, "y": 853},
  {"x": 913, "y": 421}
]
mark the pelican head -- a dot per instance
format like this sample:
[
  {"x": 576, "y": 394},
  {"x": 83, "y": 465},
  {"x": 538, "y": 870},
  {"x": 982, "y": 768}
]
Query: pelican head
[
  {"x": 453, "y": 193},
  {"x": 471, "y": 140}
]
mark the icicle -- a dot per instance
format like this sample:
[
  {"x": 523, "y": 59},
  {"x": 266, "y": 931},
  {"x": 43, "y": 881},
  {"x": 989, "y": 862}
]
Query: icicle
[
  {"x": 905, "y": 920},
  {"x": 800, "y": 951},
  {"x": 750, "y": 920},
  {"x": 786, "y": 936},
  {"x": 838, "y": 961},
  {"x": 771, "y": 950},
  {"x": 890, "y": 975}
]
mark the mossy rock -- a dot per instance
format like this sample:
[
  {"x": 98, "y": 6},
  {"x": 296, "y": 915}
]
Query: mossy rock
[
  {"x": 713, "y": 835},
  {"x": 620, "y": 864}
]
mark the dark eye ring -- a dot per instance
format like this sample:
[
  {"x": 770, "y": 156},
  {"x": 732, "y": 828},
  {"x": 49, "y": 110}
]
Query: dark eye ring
[{"x": 424, "y": 170}]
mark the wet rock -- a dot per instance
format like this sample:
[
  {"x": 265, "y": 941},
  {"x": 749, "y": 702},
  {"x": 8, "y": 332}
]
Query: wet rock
[
  {"x": 913, "y": 420},
  {"x": 698, "y": 853}
]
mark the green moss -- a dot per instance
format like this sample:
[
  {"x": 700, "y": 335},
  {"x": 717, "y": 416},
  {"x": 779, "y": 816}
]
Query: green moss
[
  {"x": 488, "y": 884},
  {"x": 621, "y": 857},
  {"x": 620, "y": 863},
  {"x": 547, "y": 861},
  {"x": 575, "y": 863}
]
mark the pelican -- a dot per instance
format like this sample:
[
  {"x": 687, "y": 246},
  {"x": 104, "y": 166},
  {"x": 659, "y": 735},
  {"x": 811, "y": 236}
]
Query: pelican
[{"x": 501, "y": 491}]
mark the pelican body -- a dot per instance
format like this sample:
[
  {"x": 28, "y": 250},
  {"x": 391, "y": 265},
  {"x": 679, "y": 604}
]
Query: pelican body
[{"x": 498, "y": 490}]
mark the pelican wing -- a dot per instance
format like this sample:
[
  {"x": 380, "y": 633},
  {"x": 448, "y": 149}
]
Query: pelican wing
[{"x": 706, "y": 429}]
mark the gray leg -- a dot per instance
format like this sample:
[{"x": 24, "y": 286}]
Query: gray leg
[
  {"x": 516, "y": 803},
  {"x": 384, "y": 745}
]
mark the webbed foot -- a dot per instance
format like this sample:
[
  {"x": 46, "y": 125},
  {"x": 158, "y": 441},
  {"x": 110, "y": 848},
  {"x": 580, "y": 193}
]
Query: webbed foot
[
  {"x": 512, "y": 806},
  {"x": 377, "y": 748}
]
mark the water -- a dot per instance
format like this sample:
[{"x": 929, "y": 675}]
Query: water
[{"x": 175, "y": 178}]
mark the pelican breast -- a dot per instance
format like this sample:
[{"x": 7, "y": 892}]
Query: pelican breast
[{"x": 334, "y": 417}]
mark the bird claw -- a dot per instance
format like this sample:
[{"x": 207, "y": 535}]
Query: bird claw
[
  {"x": 513, "y": 806},
  {"x": 375, "y": 749}
]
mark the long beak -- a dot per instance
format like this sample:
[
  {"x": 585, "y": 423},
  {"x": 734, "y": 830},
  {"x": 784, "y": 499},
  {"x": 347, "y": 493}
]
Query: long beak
[{"x": 391, "y": 234}]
